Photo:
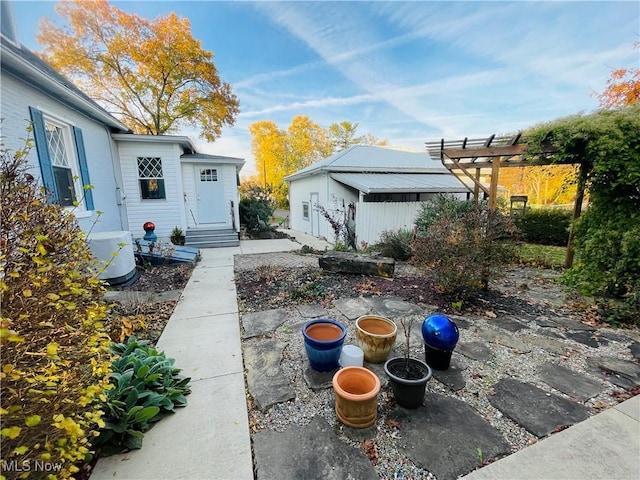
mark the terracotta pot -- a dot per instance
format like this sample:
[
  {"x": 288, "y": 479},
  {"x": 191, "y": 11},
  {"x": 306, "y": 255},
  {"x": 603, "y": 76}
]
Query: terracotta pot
[
  {"x": 376, "y": 336},
  {"x": 356, "y": 391},
  {"x": 323, "y": 339}
]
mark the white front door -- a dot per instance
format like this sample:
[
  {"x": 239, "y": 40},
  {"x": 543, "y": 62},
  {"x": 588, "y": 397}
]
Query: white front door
[{"x": 210, "y": 195}]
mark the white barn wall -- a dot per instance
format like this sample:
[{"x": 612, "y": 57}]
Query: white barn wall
[
  {"x": 373, "y": 218},
  {"x": 165, "y": 214},
  {"x": 299, "y": 192},
  {"x": 340, "y": 196},
  {"x": 101, "y": 151}
]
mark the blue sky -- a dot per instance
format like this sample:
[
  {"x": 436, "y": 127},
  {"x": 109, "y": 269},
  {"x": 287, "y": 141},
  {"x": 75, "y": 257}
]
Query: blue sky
[{"x": 405, "y": 71}]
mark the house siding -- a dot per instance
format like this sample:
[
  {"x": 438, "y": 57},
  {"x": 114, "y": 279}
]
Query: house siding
[
  {"x": 101, "y": 151},
  {"x": 165, "y": 214}
]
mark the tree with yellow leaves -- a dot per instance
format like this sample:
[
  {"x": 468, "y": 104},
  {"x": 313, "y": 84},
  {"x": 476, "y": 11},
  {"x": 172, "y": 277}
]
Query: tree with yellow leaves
[
  {"x": 544, "y": 185},
  {"x": 280, "y": 152},
  {"x": 153, "y": 75}
]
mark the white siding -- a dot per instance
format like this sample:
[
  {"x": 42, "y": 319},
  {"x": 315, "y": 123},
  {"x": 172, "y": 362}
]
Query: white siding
[
  {"x": 299, "y": 193},
  {"x": 372, "y": 218},
  {"x": 101, "y": 151},
  {"x": 165, "y": 214},
  {"x": 331, "y": 195}
]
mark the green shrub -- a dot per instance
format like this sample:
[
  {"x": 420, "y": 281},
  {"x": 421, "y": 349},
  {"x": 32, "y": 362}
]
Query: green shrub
[
  {"x": 545, "y": 227},
  {"x": 607, "y": 261},
  {"x": 443, "y": 206},
  {"x": 255, "y": 214},
  {"x": 464, "y": 247},
  {"x": 395, "y": 244},
  {"x": 54, "y": 351},
  {"x": 607, "y": 236},
  {"x": 146, "y": 385},
  {"x": 177, "y": 236}
]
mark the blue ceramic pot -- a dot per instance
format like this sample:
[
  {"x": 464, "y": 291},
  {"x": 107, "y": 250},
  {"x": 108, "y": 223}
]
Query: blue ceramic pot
[
  {"x": 440, "y": 332},
  {"x": 323, "y": 339}
]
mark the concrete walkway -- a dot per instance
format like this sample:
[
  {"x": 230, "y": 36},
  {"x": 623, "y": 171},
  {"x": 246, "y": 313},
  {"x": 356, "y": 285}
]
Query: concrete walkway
[
  {"x": 606, "y": 445},
  {"x": 209, "y": 439}
]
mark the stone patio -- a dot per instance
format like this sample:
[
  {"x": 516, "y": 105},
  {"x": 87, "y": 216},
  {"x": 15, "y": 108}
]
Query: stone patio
[{"x": 443, "y": 436}]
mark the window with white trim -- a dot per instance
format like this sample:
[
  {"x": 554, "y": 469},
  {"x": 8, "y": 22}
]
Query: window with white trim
[
  {"x": 208, "y": 175},
  {"x": 63, "y": 161},
  {"x": 305, "y": 210},
  {"x": 150, "y": 178}
]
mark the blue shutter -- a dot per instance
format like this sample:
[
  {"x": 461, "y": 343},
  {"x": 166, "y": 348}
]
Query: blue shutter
[
  {"x": 84, "y": 170},
  {"x": 40, "y": 135}
]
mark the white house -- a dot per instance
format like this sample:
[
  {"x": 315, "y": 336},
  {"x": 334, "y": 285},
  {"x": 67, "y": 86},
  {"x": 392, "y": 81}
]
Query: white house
[
  {"x": 384, "y": 188},
  {"x": 135, "y": 178}
]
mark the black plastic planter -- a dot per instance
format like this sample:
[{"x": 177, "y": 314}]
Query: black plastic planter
[
  {"x": 408, "y": 392},
  {"x": 437, "y": 358}
]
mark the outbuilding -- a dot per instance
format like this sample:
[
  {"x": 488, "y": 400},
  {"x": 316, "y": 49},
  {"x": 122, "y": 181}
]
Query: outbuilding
[{"x": 369, "y": 187}]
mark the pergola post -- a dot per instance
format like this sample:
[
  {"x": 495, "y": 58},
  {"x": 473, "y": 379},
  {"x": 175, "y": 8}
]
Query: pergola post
[
  {"x": 493, "y": 188},
  {"x": 577, "y": 210}
]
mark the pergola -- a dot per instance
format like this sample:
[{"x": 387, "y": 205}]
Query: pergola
[{"x": 469, "y": 156}]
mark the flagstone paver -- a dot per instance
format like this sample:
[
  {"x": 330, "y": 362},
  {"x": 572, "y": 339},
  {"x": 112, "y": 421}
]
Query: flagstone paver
[
  {"x": 452, "y": 377},
  {"x": 267, "y": 385},
  {"x": 312, "y": 311},
  {"x": 508, "y": 323},
  {"x": 567, "y": 381},
  {"x": 508, "y": 340},
  {"x": 619, "y": 372},
  {"x": 475, "y": 351},
  {"x": 261, "y": 323},
  {"x": 539, "y": 412},
  {"x": 316, "y": 380},
  {"x": 586, "y": 338},
  {"x": 444, "y": 436},
  {"x": 562, "y": 322},
  {"x": 307, "y": 452},
  {"x": 352, "y": 308},
  {"x": 548, "y": 344},
  {"x": 389, "y": 306}
]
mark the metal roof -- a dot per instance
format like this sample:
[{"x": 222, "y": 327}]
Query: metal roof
[
  {"x": 367, "y": 158},
  {"x": 402, "y": 182}
]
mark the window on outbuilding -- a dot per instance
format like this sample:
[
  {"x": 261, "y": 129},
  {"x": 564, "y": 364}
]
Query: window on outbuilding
[
  {"x": 63, "y": 161},
  {"x": 305, "y": 210},
  {"x": 151, "y": 178}
]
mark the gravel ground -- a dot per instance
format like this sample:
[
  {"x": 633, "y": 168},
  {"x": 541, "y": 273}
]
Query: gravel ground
[{"x": 537, "y": 290}]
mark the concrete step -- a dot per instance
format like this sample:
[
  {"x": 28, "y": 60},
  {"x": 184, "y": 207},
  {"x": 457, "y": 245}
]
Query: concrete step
[
  {"x": 215, "y": 244},
  {"x": 211, "y": 238}
]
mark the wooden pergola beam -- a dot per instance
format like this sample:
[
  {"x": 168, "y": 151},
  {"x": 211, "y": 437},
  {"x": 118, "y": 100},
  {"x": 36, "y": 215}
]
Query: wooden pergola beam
[{"x": 496, "y": 151}]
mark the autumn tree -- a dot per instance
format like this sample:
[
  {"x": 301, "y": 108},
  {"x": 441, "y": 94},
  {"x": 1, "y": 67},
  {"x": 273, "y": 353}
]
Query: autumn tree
[
  {"x": 343, "y": 135},
  {"x": 279, "y": 152},
  {"x": 623, "y": 87},
  {"x": 544, "y": 185},
  {"x": 153, "y": 75}
]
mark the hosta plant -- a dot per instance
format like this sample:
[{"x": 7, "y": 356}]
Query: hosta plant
[{"x": 145, "y": 386}]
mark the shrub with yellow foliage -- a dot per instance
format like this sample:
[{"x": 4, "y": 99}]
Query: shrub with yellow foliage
[{"x": 55, "y": 359}]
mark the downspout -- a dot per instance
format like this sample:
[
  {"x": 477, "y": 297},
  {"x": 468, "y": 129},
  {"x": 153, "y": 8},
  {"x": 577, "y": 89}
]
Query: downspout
[{"x": 119, "y": 197}]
